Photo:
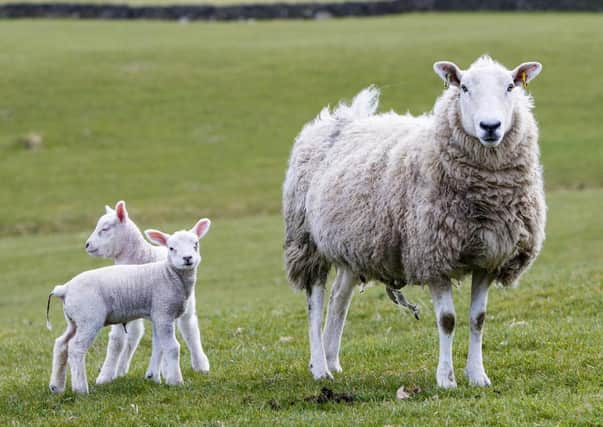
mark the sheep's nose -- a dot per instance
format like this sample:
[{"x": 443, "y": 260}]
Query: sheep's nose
[
  {"x": 87, "y": 245},
  {"x": 187, "y": 258},
  {"x": 489, "y": 126}
]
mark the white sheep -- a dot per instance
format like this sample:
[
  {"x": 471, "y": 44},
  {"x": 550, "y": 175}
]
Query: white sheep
[
  {"x": 417, "y": 200},
  {"x": 119, "y": 294},
  {"x": 116, "y": 236}
]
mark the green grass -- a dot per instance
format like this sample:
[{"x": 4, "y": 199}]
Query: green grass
[
  {"x": 176, "y": 2},
  {"x": 545, "y": 371},
  {"x": 198, "y": 119},
  {"x": 202, "y": 116}
]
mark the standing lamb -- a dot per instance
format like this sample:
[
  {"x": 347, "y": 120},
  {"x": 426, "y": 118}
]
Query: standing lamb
[
  {"x": 116, "y": 236},
  {"x": 417, "y": 200},
  {"x": 121, "y": 293}
]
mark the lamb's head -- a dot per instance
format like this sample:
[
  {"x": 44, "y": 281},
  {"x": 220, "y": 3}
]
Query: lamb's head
[
  {"x": 183, "y": 246},
  {"x": 107, "y": 238},
  {"x": 488, "y": 95}
]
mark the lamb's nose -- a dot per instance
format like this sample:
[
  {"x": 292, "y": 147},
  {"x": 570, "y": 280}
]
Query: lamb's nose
[
  {"x": 187, "y": 258},
  {"x": 489, "y": 126},
  {"x": 87, "y": 245}
]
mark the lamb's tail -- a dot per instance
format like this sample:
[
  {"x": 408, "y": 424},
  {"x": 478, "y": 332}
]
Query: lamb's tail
[
  {"x": 363, "y": 105},
  {"x": 59, "y": 292}
]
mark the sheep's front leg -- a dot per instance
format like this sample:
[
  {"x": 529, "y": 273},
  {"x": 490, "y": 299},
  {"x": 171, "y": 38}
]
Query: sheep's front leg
[
  {"x": 318, "y": 360},
  {"x": 339, "y": 303},
  {"x": 155, "y": 364},
  {"x": 135, "y": 331},
  {"x": 170, "y": 350},
  {"x": 58, "y": 376},
  {"x": 441, "y": 295},
  {"x": 78, "y": 347},
  {"x": 477, "y": 314},
  {"x": 188, "y": 324},
  {"x": 117, "y": 339}
]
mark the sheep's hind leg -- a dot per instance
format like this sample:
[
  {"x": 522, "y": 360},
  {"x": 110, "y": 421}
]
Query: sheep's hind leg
[
  {"x": 188, "y": 324},
  {"x": 135, "y": 331},
  {"x": 78, "y": 347},
  {"x": 474, "y": 371},
  {"x": 59, "y": 360},
  {"x": 117, "y": 339},
  {"x": 156, "y": 364},
  {"x": 441, "y": 295},
  {"x": 339, "y": 303},
  {"x": 318, "y": 360}
]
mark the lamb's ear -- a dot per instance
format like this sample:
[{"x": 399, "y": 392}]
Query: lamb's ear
[
  {"x": 157, "y": 237},
  {"x": 526, "y": 72},
  {"x": 449, "y": 72},
  {"x": 122, "y": 213},
  {"x": 108, "y": 209},
  {"x": 201, "y": 227}
]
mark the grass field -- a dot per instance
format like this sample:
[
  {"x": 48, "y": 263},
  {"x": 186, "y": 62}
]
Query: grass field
[
  {"x": 198, "y": 119},
  {"x": 174, "y": 2}
]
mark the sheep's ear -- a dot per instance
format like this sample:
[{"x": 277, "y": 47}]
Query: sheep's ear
[
  {"x": 201, "y": 227},
  {"x": 122, "y": 213},
  {"x": 449, "y": 72},
  {"x": 108, "y": 209},
  {"x": 157, "y": 237},
  {"x": 524, "y": 73}
]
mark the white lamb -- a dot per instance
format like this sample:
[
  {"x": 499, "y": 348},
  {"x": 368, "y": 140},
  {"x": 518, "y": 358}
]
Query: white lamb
[
  {"x": 417, "y": 200},
  {"x": 116, "y": 236},
  {"x": 119, "y": 294}
]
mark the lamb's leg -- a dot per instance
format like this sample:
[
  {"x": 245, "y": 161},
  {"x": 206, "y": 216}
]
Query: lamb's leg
[
  {"x": 135, "y": 331},
  {"x": 59, "y": 360},
  {"x": 170, "y": 350},
  {"x": 477, "y": 315},
  {"x": 339, "y": 303},
  {"x": 156, "y": 364},
  {"x": 188, "y": 324},
  {"x": 117, "y": 339},
  {"x": 441, "y": 295},
  {"x": 78, "y": 347},
  {"x": 318, "y": 360}
]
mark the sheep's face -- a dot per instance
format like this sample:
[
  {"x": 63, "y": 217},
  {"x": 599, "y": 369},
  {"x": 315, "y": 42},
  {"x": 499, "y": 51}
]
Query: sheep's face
[
  {"x": 488, "y": 93},
  {"x": 106, "y": 239},
  {"x": 183, "y": 246}
]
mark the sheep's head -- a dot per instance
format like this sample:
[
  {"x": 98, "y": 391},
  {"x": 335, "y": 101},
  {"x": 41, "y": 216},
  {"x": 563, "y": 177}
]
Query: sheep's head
[
  {"x": 106, "y": 239},
  {"x": 488, "y": 93},
  {"x": 183, "y": 246}
]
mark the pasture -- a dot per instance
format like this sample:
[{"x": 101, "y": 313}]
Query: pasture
[{"x": 194, "y": 120}]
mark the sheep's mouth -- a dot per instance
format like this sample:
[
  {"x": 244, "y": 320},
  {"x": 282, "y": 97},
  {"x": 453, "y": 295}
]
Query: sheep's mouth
[
  {"x": 92, "y": 251},
  {"x": 490, "y": 141}
]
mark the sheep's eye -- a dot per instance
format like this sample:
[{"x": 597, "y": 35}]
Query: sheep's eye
[
  {"x": 464, "y": 88},
  {"x": 171, "y": 248},
  {"x": 510, "y": 87}
]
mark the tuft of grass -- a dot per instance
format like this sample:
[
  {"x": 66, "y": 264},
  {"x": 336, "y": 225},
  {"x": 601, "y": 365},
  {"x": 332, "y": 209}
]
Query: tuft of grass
[
  {"x": 202, "y": 116},
  {"x": 542, "y": 343}
]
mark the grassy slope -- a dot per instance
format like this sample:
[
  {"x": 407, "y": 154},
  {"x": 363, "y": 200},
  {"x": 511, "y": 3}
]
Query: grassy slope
[
  {"x": 203, "y": 116},
  {"x": 545, "y": 371}
]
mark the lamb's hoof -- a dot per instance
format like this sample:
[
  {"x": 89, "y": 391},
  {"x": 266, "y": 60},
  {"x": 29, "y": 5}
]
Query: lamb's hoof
[
  {"x": 102, "y": 379},
  {"x": 478, "y": 378},
  {"x": 56, "y": 389},
  {"x": 201, "y": 365},
  {"x": 150, "y": 376},
  {"x": 80, "y": 390},
  {"x": 175, "y": 381},
  {"x": 334, "y": 366},
  {"x": 321, "y": 373},
  {"x": 446, "y": 379}
]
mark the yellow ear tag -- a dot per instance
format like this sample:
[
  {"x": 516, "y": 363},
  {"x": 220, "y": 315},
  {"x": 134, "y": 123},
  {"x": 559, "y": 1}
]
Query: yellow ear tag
[{"x": 524, "y": 79}]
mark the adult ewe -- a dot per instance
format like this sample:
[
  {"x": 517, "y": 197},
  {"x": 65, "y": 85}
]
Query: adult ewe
[{"x": 417, "y": 200}]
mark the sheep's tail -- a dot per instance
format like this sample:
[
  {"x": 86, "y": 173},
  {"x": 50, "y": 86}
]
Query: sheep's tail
[
  {"x": 59, "y": 292},
  {"x": 363, "y": 105}
]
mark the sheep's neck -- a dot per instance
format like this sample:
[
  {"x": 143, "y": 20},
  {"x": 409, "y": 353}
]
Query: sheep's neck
[
  {"x": 187, "y": 278},
  {"x": 134, "y": 248}
]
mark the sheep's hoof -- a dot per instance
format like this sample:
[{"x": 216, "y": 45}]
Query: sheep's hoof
[
  {"x": 80, "y": 390},
  {"x": 321, "y": 374},
  {"x": 478, "y": 378},
  {"x": 176, "y": 381},
  {"x": 151, "y": 376},
  {"x": 201, "y": 365},
  {"x": 446, "y": 379},
  {"x": 56, "y": 389},
  {"x": 334, "y": 366},
  {"x": 103, "y": 380}
]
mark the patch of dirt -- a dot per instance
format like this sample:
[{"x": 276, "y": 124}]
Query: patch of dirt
[{"x": 328, "y": 395}]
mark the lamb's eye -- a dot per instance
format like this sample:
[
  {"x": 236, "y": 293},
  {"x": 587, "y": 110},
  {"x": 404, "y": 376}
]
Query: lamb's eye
[
  {"x": 510, "y": 87},
  {"x": 171, "y": 248},
  {"x": 464, "y": 88}
]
